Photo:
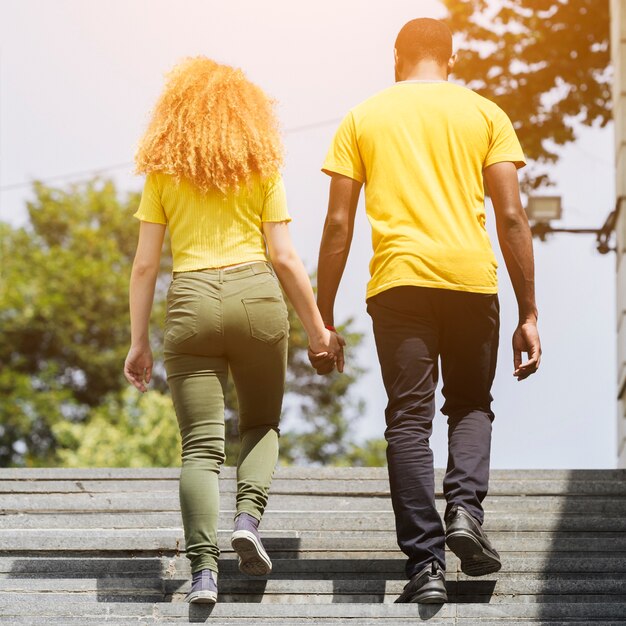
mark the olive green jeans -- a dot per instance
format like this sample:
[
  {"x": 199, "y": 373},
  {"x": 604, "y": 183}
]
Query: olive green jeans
[{"x": 219, "y": 320}]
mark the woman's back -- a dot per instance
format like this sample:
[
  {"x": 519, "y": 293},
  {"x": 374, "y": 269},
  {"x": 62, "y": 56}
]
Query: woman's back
[{"x": 213, "y": 229}]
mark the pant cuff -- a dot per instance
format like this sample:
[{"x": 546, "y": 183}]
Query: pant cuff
[
  {"x": 250, "y": 510},
  {"x": 201, "y": 563}
]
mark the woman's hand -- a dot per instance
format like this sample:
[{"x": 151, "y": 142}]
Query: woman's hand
[
  {"x": 328, "y": 353},
  {"x": 138, "y": 367}
]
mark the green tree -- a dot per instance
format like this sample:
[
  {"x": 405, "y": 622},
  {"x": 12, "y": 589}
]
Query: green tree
[
  {"x": 63, "y": 313},
  {"x": 373, "y": 453},
  {"x": 545, "y": 62},
  {"x": 129, "y": 429},
  {"x": 65, "y": 333},
  {"x": 29, "y": 407}
]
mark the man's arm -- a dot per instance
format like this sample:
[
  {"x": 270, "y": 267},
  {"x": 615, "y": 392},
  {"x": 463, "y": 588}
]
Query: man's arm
[
  {"x": 334, "y": 248},
  {"x": 516, "y": 244},
  {"x": 336, "y": 240}
]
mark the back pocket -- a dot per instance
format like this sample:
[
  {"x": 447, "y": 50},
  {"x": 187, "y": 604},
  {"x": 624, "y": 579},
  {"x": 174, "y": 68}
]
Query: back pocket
[
  {"x": 181, "y": 322},
  {"x": 267, "y": 317}
]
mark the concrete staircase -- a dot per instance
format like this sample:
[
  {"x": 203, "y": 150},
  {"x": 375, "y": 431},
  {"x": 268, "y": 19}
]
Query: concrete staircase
[{"x": 106, "y": 546}]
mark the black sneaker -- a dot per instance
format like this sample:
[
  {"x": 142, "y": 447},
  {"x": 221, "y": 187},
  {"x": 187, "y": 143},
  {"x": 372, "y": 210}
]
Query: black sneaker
[
  {"x": 426, "y": 587},
  {"x": 468, "y": 541}
]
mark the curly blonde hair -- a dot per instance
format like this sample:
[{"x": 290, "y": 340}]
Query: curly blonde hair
[{"x": 211, "y": 126}]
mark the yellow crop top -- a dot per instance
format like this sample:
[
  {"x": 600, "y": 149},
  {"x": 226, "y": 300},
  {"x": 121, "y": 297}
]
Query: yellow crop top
[{"x": 213, "y": 229}]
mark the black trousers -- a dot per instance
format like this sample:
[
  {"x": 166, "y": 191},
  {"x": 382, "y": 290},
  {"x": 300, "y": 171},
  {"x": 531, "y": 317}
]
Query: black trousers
[{"x": 414, "y": 327}]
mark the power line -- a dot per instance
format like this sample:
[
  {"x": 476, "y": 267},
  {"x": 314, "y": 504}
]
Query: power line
[
  {"x": 92, "y": 172},
  {"x": 82, "y": 175}
]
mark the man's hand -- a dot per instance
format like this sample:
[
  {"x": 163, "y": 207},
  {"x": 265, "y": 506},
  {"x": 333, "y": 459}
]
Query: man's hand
[
  {"x": 526, "y": 339},
  {"x": 325, "y": 362}
]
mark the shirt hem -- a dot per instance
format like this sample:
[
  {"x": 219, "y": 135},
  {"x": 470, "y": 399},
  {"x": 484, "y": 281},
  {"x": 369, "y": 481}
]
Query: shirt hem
[
  {"x": 506, "y": 158},
  {"x": 277, "y": 219},
  {"x": 330, "y": 169},
  {"x": 143, "y": 218},
  {"x": 213, "y": 265},
  {"x": 408, "y": 282}
]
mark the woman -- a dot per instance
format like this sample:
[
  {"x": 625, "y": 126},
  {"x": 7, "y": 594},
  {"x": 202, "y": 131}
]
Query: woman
[{"x": 212, "y": 154}]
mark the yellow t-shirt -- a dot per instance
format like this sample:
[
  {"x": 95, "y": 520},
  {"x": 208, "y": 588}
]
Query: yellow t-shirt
[
  {"x": 213, "y": 229},
  {"x": 420, "y": 148}
]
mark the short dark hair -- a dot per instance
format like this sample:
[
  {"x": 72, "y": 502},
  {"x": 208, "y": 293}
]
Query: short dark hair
[{"x": 424, "y": 38}]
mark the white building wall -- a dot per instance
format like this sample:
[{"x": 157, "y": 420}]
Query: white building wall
[{"x": 618, "y": 53}]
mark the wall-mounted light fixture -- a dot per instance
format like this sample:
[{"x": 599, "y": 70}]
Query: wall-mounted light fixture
[{"x": 542, "y": 210}]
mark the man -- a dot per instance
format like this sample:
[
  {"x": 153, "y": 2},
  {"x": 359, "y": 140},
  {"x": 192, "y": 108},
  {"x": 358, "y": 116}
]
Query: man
[{"x": 423, "y": 148}]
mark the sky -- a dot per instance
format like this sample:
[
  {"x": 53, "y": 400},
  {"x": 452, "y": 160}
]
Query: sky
[{"x": 78, "y": 79}]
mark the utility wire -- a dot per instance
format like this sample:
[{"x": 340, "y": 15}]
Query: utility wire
[{"x": 82, "y": 175}]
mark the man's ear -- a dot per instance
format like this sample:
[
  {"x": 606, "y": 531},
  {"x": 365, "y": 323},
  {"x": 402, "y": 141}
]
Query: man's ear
[
  {"x": 451, "y": 63},
  {"x": 396, "y": 64}
]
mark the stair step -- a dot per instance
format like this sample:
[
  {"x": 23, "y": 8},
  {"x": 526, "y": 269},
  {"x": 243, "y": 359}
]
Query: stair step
[
  {"x": 284, "y": 542},
  {"x": 127, "y": 474},
  {"x": 62, "y": 605},
  {"x": 363, "y": 589},
  {"x": 307, "y": 621},
  {"x": 141, "y": 502},
  {"x": 529, "y": 564},
  {"x": 329, "y": 521},
  {"x": 287, "y": 486}
]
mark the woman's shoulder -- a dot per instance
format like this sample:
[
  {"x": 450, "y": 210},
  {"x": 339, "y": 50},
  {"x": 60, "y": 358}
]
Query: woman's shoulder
[
  {"x": 157, "y": 179},
  {"x": 271, "y": 181}
]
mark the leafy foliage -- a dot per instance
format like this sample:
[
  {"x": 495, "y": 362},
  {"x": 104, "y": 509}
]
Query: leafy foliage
[
  {"x": 545, "y": 62},
  {"x": 63, "y": 313},
  {"x": 373, "y": 453},
  {"x": 128, "y": 429},
  {"x": 29, "y": 408}
]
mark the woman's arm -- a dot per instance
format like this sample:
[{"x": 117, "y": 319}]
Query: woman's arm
[
  {"x": 138, "y": 365},
  {"x": 295, "y": 281}
]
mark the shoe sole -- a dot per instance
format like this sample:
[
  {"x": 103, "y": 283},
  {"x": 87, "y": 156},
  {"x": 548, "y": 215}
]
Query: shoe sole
[
  {"x": 202, "y": 597},
  {"x": 475, "y": 559},
  {"x": 253, "y": 560},
  {"x": 431, "y": 598}
]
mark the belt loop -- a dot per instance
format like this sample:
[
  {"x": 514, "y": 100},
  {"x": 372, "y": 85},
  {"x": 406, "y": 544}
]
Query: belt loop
[
  {"x": 259, "y": 268},
  {"x": 220, "y": 274}
]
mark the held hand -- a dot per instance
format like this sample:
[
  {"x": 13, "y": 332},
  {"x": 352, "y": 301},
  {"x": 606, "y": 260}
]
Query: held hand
[
  {"x": 323, "y": 362},
  {"x": 526, "y": 339},
  {"x": 324, "y": 357},
  {"x": 337, "y": 342},
  {"x": 138, "y": 367}
]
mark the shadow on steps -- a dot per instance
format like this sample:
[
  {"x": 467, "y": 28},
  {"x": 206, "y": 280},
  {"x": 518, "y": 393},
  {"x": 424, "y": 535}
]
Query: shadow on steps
[{"x": 165, "y": 578}]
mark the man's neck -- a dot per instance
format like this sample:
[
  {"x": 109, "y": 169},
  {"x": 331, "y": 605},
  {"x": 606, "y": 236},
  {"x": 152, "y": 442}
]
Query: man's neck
[{"x": 426, "y": 71}]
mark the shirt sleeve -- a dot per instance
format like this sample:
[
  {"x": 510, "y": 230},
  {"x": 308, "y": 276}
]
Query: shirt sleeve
[
  {"x": 275, "y": 201},
  {"x": 150, "y": 208},
  {"x": 504, "y": 144},
  {"x": 344, "y": 156}
]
